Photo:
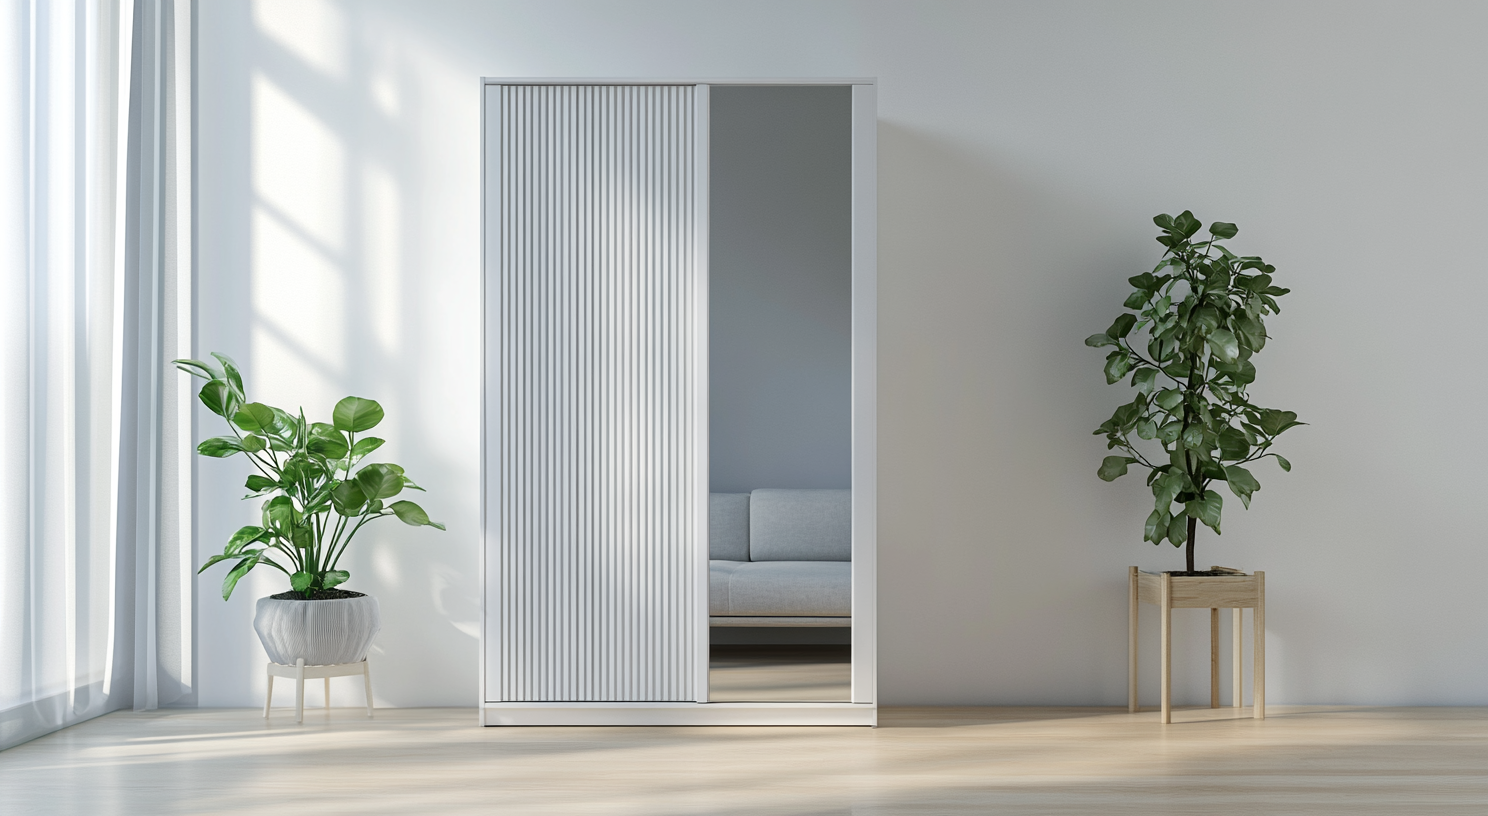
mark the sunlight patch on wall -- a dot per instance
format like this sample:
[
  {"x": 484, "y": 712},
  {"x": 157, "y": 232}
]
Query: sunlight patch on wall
[
  {"x": 382, "y": 257},
  {"x": 299, "y": 305},
  {"x": 299, "y": 166},
  {"x": 312, "y": 30}
]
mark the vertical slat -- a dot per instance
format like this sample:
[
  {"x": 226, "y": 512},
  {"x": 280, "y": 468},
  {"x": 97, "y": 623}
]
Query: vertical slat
[
  {"x": 1235, "y": 657},
  {"x": 597, "y": 388},
  {"x": 1133, "y": 609}
]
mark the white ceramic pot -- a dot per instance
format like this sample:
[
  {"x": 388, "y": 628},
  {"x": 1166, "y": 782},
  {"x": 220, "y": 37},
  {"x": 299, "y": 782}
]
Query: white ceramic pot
[{"x": 323, "y": 632}]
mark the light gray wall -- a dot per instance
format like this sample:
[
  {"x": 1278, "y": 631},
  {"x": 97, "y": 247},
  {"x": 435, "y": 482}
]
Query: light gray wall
[
  {"x": 1023, "y": 148},
  {"x": 780, "y": 288}
]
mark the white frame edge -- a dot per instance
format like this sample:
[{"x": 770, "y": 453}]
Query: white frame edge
[
  {"x": 682, "y": 714},
  {"x": 666, "y": 81},
  {"x": 702, "y": 135},
  {"x": 489, "y": 211},
  {"x": 865, "y": 394}
]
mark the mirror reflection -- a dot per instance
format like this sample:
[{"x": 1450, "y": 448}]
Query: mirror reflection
[{"x": 780, "y": 356}]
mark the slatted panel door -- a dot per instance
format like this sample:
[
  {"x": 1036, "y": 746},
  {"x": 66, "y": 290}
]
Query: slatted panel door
[{"x": 593, "y": 487}]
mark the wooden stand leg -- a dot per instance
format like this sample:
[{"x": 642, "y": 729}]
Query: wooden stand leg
[
  {"x": 367, "y": 681},
  {"x": 1131, "y": 644},
  {"x": 1258, "y": 623},
  {"x": 300, "y": 690},
  {"x": 1237, "y": 659},
  {"x": 1167, "y": 648},
  {"x": 269, "y": 695},
  {"x": 328, "y": 692},
  {"x": 1213, "y": 657}
]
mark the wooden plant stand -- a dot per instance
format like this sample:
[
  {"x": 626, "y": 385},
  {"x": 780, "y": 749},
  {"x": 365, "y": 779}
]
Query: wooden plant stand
[
  {"x": 1236, "y": 591},
  {"x": 300, "y": 672}
]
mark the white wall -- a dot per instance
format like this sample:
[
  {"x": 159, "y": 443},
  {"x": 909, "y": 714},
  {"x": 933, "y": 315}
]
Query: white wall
[
  {"x": 780, "y": 288},
  {"x": 1023, "y": 149}
]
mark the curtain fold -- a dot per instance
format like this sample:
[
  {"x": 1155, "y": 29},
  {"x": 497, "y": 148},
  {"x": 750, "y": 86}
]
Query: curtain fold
[{"x": 95, "y": 299}]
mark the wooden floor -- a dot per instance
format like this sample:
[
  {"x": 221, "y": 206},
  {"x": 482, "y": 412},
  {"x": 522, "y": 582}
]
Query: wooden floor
[{"x": 920, "y": 761}]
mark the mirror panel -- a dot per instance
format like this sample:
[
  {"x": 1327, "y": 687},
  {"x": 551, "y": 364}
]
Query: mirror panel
[{"x": 780, "y": 393}]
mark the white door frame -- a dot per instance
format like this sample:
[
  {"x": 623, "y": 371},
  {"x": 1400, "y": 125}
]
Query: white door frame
[{"x": 863, "y": 708}]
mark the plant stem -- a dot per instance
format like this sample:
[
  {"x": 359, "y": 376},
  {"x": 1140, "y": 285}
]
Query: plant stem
[{"x": 1193, "y": 528}]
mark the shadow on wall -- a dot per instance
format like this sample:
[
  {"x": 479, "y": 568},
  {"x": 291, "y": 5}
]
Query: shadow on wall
[
  {"x": 989, "y": 282},
  {"x": 318, "y": 283}
]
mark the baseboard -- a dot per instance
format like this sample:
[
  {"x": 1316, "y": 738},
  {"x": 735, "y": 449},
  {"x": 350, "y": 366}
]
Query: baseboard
[{"x": 696, "y": 714}]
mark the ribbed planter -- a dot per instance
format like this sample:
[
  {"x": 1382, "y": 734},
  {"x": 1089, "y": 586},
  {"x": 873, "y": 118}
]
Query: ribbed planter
[{"x": 323, "y": 632}]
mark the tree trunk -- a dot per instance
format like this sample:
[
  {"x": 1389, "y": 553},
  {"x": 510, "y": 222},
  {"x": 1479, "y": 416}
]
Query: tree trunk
[{"x": 1193, "y": 525}]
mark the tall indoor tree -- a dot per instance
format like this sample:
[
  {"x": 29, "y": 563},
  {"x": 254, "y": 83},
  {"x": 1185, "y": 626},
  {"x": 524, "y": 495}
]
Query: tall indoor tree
[{"x": 1201, "y": 313}]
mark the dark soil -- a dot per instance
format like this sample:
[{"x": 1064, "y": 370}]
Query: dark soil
[
  {"x": 318, "y": 595},
  {"x": 1172, "y": 572}
]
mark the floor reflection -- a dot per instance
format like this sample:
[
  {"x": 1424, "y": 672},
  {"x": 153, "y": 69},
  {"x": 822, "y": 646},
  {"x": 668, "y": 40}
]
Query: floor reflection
[{"x": 780, "y": 673}]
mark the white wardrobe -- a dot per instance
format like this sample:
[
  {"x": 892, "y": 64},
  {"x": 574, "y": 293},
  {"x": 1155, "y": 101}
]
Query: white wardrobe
[{"x": 595, "y": 415}]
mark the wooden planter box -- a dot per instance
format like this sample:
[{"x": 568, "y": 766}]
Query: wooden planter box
[{"x": 1236, "y": 591}]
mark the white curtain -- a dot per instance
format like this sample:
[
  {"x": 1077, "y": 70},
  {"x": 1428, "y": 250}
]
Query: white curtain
[{"x": 95, "y": 299}]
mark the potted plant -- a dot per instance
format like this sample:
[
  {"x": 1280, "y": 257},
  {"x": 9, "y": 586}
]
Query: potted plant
[
  {"x": 319, "y": 496},
  {"x": 1195, "y": 323}
]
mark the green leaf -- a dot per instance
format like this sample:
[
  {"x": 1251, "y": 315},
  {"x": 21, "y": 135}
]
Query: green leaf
[
  {"x": 1241, "y": 483},
  {"x": 1206, "y": 319},
  {"x": 1156, "y": 527},
  {"x": 1178, "y": 530},
  {"x": 1224, "y": 345},
  {"x": 1166, "y": 489},
  {"x": 412, "y": 514},
  {"x": 301, "y": 581},
  {"x": 253, "y": 443},
  {"x": 223, "y": 557},
  {"x": 243, "y": 537},
  {"x": 1147, "y": 429},
  {"x": 258, "y": 484},
  {"x": 380, "y": 481},
  {"x": 1146, "y": 281},
  {"x": 1221, "y": 229},
  {"x": 1165, "y": 221},
  {"x": 233, "y": 376},
  {"x": 326, "y": 441},
  {"x": 197, "y": 368},
  {"x": 237, "y": 572},
  {"x": 1274, "y": 422},
  {"x": 1285, "y": 465},
  {"x": 255, "y": 416},
  {"x": 1168, "y": 433},
  {"x": 279, "y": 513},
  {"x": 1112, "y": 468},
  {"x": 1117, "y": 364},
  {"x": 217, "y": 395},
  {"x": 1169, "y": 398},
  {"x": 1145, "y": 380},
  {"x": 1122, "y": 326},
  {"x": 1185, "y": 224},
  {"x": 1094, "y": 341},
  {"x": 348, "y": 498},
  {"x": 1193, "y": 437},
  {"x": 1207, "y": 509},
  {"x": 334, "y": 578},
  {"x": 1137, "y": 299},
  {"x": 219, "y": 446},
  {"x": 356, "y": 414},
  {"x": 1233, "y": 444},
  {"x": 372, "y": 443}
]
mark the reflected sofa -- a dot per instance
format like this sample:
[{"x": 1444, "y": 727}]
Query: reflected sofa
[{"x": 780, "y": 558}]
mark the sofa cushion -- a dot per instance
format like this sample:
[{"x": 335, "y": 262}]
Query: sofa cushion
[
  {"x": 800, "y": 525},
  {"x": 728, "y": 526},
  {"x": 780, "y": 588}
]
